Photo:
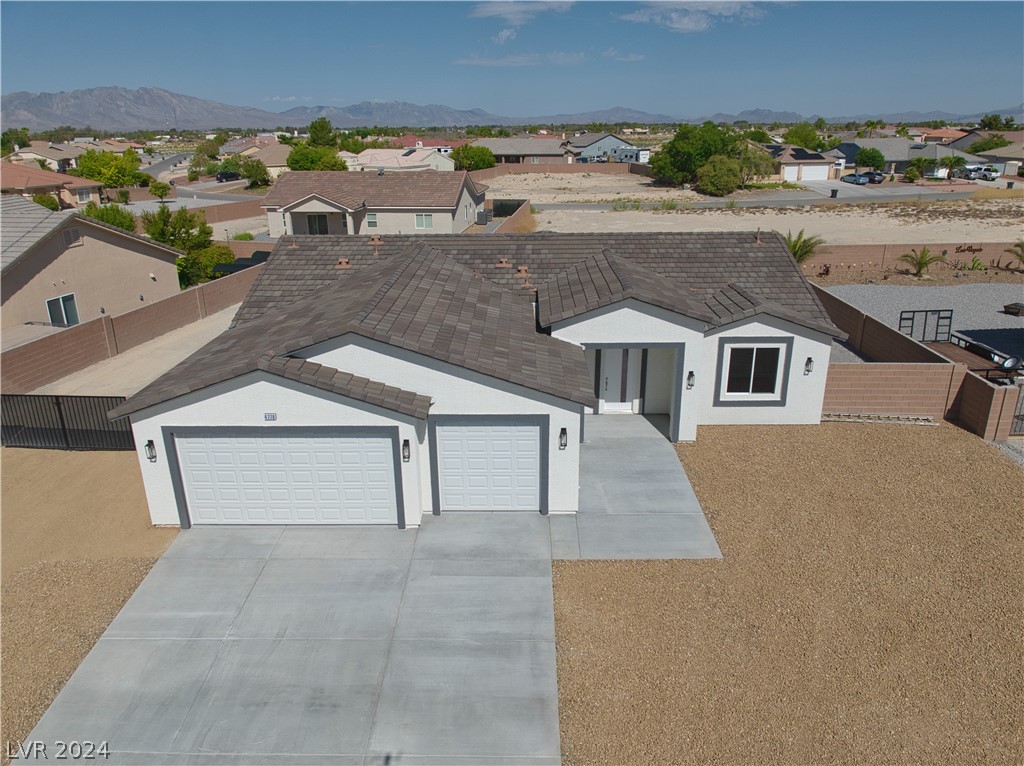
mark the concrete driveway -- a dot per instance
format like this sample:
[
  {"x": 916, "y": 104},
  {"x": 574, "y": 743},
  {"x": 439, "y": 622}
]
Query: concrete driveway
[{"x": 330, "y": 646}]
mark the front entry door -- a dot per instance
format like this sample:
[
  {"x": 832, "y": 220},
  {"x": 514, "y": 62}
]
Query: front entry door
[{"x": 616, "y": 381}]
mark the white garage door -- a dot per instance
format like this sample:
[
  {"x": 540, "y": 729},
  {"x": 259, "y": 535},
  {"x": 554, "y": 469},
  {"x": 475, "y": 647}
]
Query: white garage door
[
  {"x": 815, "y": 173},
  {"x": 288, "y": 480},
  {"x": 790, "y": 172},
  {"x": 489, "y": 467}
]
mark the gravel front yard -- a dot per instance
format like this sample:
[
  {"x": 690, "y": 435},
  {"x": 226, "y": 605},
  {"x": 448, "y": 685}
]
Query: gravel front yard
[
  {"x": 867, "y": 610},
  {"x": 76, "y": 544}
]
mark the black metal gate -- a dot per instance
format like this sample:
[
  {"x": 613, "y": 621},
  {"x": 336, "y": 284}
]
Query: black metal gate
[
  {"x": 1017, "y": 424},
  {"x": 63, "y": 422},
  {"x": 927, "y": 325}
]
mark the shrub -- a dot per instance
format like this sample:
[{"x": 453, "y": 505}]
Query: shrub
[
  {"x": 719, "y": 176},
  {"x": 1017, "y": 251},
  {"x": 123, "y": 196},
  {"x": 910, "y": 175},
  {"x": 198, "y": 266},
  {"x": 111, "y": 214},
  {"x": 243, "y": 236},
  {"x": 160, "y": 190},
  {"x": 255, "y": 172},
  {"x": 46, "y": 200},
  {"x": 193, "y": 175},
  {"x": 920, "y": 261}
]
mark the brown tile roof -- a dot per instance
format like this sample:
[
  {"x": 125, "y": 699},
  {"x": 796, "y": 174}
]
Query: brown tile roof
[
  {"x": 23, "y": 177},
  {"x": 419, "y": 300},
  {"x": 409, "y": 141},
  {"x": 274, "y": 156},
  {"x": 425, "y": 189}
]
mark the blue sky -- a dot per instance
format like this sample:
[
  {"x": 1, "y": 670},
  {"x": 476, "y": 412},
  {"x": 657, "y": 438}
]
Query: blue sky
[{"x": 532, "y": 58}]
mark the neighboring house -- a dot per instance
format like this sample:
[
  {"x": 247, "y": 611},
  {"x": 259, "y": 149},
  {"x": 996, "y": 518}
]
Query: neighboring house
[
  {"x": 402, "y": 160},
  {"x": 29, "y": 181},
  {"x": 898, "y": 153},
  {"x": 942, "y": 135},
  {"x": 58, "y": 157},
  {"x": 974, "y": 136},
  {"x": 275, "y": 158},
  {"x": 411, "y": 141},
  {"x": 528, "y": 151},
  {"x": 372, "y": 381},
  {"x": 590, "y": 146},
  {"x": 62, "y": 268},
  {"x": 333, "y": 202},
  {"x": 246, "y": 147},
  {"x": 794, "y": 163},
  {"x": 1008, "y": 159}
]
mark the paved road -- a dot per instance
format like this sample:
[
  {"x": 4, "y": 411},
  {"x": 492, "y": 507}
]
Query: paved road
[{"x": 163, "y": 166}]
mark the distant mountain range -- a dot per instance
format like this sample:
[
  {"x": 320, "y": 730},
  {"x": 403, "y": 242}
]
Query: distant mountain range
[{"x": 117, "y": 109}]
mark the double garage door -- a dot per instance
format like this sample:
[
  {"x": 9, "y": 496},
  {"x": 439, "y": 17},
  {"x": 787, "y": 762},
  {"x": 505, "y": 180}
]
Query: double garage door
[
  {"x": 808, "y": 173},
  {"x": 231, "y": 477}
]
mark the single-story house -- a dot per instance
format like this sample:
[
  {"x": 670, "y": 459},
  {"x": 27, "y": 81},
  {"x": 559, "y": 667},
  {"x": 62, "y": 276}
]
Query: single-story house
[
  {"x": 1007, "y": 159},
  {"x": 794, "y": 163},
  {"x": 528, "y": 151},
  {"x": 898, "y": 153},
  {"x": 406, "y": 160},
  {"x": 29, "y": 181},
  {"x": 972, "y": 137},
  {"x": 247, "y": 146},
  {"x": 590, "y": 146},
  {"x": 375, "y": 380},
  {"x": 342, "y": 202},
  {"x": 275, "y": 158},
  {"x": 411, "y": 141},
  {"x": 942, "y": 135},
  {"x": 58, "y": 157},
  {"x": 61, "y": 268}
]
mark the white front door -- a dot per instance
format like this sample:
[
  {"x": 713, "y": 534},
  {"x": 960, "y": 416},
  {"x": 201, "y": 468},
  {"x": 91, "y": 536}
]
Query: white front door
[{"x": 617, "y": 379}]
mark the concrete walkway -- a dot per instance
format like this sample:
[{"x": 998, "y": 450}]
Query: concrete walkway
[
  {"x": 312, "y": 646},
  {"x": 635, "y": 499}
]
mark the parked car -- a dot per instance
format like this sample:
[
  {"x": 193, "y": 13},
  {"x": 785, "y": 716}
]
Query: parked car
[
  {"x": 855, "y": 178},
  {"x": 989, "y": 174},
  {"x": 227, "y": 175},
  {"x": 875, "y": 176},
  {"x": 970, "y": 172}
]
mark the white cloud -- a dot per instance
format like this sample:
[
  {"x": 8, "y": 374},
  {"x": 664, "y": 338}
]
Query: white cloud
[
  {"x": 508, "y": 33},
  {"x": 287, "y": 98},
  {"x": 555, "y": 58},
  {"x": 693, "y": 17},
  {"x": 515, "y": 14},
  {"x": 615, "y": 55}
]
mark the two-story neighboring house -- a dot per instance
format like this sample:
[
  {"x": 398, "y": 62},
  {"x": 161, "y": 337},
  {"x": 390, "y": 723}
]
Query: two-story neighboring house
[
  {"x": 588, "y": 147},
  {"x": 29, "y": 181},
  {"x": 333, "y": 202}
]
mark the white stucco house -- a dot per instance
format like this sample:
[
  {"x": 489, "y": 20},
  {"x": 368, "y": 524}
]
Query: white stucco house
[
  {"x": 375, "y": 380},
  {"x": 345, "y": 202},
  {"x": 401, "y": 160}
]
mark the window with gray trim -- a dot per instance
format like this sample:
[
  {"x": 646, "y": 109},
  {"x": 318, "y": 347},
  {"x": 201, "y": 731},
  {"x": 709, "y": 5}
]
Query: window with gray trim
[
  {"x": 753, "y": 371},
  {"x": 371, "y": 220},
  {"x": 63, "y": 311},
  {"x": 316, "y": 223}
]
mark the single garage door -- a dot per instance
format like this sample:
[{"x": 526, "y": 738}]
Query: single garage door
[
  {"x": 815, "y": 173},
  {"x": 790, "y": 172},
  {"x": 492, "y": 466},
  {"x": 288, "y": 480}
]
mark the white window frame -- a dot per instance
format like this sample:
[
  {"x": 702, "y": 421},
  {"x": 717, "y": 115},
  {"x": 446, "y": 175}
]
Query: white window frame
[
  {"x": 316, "y": 216},
  {"x": 424, "y": 220},
  {"x": 534, "y": 160},
  {"x": 371, "y": 220},
  {"x": 777, "y": 397},
  {"x": 60, "y": 304},
  {"x": 83, "y": 195}
]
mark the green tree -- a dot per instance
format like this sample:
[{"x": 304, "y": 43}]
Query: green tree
[
  {"x": 869, "y": 157},
  {"x": 183, "y": 229},
  {"x": 922, "y": 165},
  {"x": 13, "y": 137},
  {"x": 820, "y": 125},
  {"x": 199, "y": 162},
  {"x": 903, "y": 132},
  {"x": 232, "y": 164},
  {"x": 690, "y": 149},
  {"x": 303, "y": 157},
  {"x": 46, "y": 200},
  {"x": 109, "y": 169},
  {"x": 111, "y": 214},
  {"x": 758, "y": 136},
  {"x": 995, "y": 141},
  {"x": 210, "y": 148},
  {"x": 197, "y": 266},
  {"x": 719, "y": 176},
  {"x": 952, "y": 163},
  {"x": 802, "y": 134},
  {"x": 159, "y": 189},
  {"x": 754, "y": 163},
  {"x": 255, "y": 172},
  {"x": 1017, "y": 251},
  {"x": 470, "y": 157},
  {"x": 997, "y": 122},
  {"x": 802, "y": 247},
  {"x": 321, "y": 133},
  {"x": 919, "y": 261}
]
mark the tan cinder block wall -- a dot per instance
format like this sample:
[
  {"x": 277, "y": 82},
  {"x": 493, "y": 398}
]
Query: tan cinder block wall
[
  {"x": 868, "y": 257},
  {"x": 986, "y": 409},
  {"x": 106, "y": 270},
  {"x": 917, "y": 390},
  {"x": 509, "y": 225},
  {"x": 35, "y": 364}
]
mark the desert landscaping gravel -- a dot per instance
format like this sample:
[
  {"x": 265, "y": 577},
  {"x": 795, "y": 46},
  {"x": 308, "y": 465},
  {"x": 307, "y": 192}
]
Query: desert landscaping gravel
[
  {"x": 76, "y": 543},
  {"x": 867, "y": 610}
]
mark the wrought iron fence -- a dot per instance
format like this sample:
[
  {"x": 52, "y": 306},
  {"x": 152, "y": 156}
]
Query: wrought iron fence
[
  {"x": 63, "y": 422},
  {"x": 927, "y": 325}
]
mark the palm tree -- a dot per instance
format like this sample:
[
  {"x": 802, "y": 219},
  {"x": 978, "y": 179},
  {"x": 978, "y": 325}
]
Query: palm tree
[
  {"x": 1017, "y": 250},
  {"x": 802, "y": 247},
  {"x": 920, "y": 261},
  {"x": 952, "y": 163},
  {"x": 921, "y": 164}
]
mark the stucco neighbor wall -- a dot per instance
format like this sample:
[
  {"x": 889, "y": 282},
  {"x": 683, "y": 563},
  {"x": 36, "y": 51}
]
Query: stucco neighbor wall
[
  {"x": 105, "y": 270},
  {"x": 458, "y": 391},
  {"x": 243, "y": 402}
]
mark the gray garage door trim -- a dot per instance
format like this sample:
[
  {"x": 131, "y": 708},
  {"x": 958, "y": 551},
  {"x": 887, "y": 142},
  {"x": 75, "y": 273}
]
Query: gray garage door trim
[
  {"x": 174, "y": 465},
  {"x": 542, "y": 421}
]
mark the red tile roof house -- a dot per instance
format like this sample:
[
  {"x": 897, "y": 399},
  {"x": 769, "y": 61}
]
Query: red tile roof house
[
  {"x": 340, "y": 202},
  {"x": 411, "y": 141},
  {"x": 422, "y": 375},
  {"x": 28, "y": 182}
]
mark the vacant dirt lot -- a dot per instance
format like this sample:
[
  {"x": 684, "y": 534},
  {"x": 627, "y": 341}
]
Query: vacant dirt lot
[
  {"x": 76, "y": 543},
  {"x": 583, "y": 187},
  {"x": 867, "y": 610}
]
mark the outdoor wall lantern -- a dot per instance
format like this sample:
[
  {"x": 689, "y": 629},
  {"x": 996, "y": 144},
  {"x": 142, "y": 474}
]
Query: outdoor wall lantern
[
  {"x": 690, "y": 378},
  {"x": 808, "y": 366},
  {"x": 563, "y": 439},
  {"x": 150, "y": 451},
  {"x": 405, "y": 451}
]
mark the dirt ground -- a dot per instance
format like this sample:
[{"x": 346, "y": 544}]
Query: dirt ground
[
  {"x": 867, "y": 610},
  {"x": 583, "y": 187},
  {"x": 938, "y": 274},
  {"x": 76, "y": 542}
]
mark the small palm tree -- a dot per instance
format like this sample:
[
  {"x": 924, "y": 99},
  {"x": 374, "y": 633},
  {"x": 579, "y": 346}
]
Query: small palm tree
[
  {"x": 952, "y": 163},
  {"x": 922, "y": 165},
  {"x": 1017, "y": 250},
  {"x": 802, "y": 247},
  {"x": 920, "y": 261}
]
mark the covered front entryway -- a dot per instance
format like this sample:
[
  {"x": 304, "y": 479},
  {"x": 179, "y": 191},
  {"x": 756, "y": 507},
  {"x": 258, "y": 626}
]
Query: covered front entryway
[
  {"x": 489, "y": 464},
  {"x": 263, "y": 476},
  {"x": 638, "y": 380}
]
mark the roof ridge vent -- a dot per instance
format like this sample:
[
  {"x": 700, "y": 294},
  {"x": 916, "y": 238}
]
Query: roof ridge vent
[
  {"x": 343, "y": 263},
  {"x": 376, "y": 240},
  {"x": 523, "y": 271}
]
